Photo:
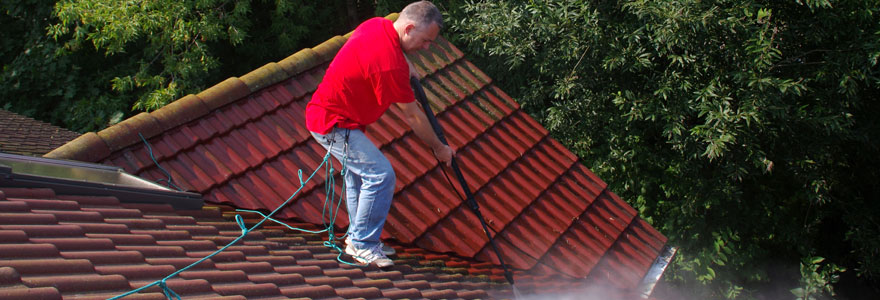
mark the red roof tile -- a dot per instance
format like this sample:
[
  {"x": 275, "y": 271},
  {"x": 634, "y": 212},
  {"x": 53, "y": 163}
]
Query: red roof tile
[
  {"x": 52, "y": 261},
  {"x": 242, "y": 142}
]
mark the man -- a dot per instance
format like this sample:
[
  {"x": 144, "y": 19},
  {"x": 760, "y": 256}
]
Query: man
[{"x": 369, "y": 73}]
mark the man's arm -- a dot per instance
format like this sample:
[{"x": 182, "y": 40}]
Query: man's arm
[{"x": 417, "y": 120}]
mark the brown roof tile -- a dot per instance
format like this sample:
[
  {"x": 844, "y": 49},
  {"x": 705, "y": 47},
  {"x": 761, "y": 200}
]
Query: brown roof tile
[
  {"x": 26, "y": 136},
  {"x": 21, "y": 292}
]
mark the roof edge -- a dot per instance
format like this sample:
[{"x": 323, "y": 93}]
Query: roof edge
[
  {"x": 88, "y": 147},
  {"x": 652, "y": 276},
  {"x": 94, "y": 147}
]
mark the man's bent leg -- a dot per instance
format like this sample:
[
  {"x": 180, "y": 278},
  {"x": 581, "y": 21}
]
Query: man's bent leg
[
  {"x": 337, "y": 139},
  {"x": 369, "y": 210},
  {"x": 376, "y": 190},
  {"x": 352, "y": 191}
]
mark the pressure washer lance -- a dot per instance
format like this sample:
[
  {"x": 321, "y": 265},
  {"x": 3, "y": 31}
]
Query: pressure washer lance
[{"x": 472, "y": 203}]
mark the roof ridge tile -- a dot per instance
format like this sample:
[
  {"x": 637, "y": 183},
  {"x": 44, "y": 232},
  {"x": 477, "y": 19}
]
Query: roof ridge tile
[
  {"x": 328, "y": 49},
  {"x": 88, "y": 147},
  {"x": 181, "y": 111},
  {"x": 264, "y": 76},
  {"x": 300, "y": 61},
  {"x": 122, "y": 134},
  {"x": 225, "y": 92},
  {"x": 143, "y": 123}
]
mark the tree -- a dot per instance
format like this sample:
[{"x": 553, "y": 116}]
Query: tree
[
  {"x": 743, "y": 130},
  {"x": 36, "y": 82},
  {"x": 85, "y": 64}
]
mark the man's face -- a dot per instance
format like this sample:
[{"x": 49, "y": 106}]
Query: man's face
[{"x": 416, "y": 38}]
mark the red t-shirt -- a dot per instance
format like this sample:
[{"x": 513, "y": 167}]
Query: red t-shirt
[{"x": 366, "y": 76}]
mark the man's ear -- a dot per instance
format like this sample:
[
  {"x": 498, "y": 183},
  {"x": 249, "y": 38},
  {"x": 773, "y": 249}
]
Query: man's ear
[{"x": 409, "y": 27}]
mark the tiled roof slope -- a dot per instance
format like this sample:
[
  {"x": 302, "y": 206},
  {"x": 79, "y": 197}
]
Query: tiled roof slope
[
  {"x": 93, "y": 247},
  {"x": 25, "y": 136},
  {"x": 242, "y": 141}
]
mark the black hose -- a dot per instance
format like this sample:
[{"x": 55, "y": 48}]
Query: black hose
[{"x": 471, "y": 202}]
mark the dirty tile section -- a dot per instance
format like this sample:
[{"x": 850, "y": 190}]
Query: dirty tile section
[
  {"x": 25, "y": 136},
  {"x": 243, "y": 142},
  {"x": 90, "y": 247}
]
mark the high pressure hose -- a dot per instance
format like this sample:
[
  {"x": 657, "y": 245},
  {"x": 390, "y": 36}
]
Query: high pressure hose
[{"x": 471, "y": 202}]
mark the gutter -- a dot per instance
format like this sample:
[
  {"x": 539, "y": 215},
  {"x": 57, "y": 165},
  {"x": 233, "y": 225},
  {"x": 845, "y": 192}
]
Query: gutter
[{"x": 655, "y": 272}]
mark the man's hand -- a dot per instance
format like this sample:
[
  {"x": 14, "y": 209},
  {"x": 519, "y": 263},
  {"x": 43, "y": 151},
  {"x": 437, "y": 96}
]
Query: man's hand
[
  {"x": 444, "y": 154},
  {"x": 417, "y": 120}
]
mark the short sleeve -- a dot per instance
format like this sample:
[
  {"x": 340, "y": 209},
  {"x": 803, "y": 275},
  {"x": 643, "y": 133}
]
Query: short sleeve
[{"x": 392, "y": 86}]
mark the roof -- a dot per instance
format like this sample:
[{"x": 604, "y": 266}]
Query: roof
[
  {"x": 241, "y": 142},
  {"x": 26, "y": 136},
  {"x": 99, "y": 248}
]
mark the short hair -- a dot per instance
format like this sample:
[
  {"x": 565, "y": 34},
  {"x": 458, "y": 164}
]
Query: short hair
[{"x": 422, "y": 13}]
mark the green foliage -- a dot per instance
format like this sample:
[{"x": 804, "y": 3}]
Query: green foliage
[
  {"x": 743, "y": 130},
  {"x": 168, "y": 42},
  {"x": 385, "y": 7},
  {"x": 84, "y": 63},
  {"x": 34, "y": 81},
  {"x": 816, "y": 279}
]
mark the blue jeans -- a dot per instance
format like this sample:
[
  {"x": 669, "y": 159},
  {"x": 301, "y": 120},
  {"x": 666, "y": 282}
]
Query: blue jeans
[{"x": 369, "y": 183}]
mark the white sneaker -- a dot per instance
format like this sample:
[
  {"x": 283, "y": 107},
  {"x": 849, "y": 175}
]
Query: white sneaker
[
  {"x": 387, "y": 250},
  {"x": 369, "y": 255}
]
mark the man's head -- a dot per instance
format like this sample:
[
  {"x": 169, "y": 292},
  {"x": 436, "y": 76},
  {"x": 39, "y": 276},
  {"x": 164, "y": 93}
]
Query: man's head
[{"x": 418, "y": 25}]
